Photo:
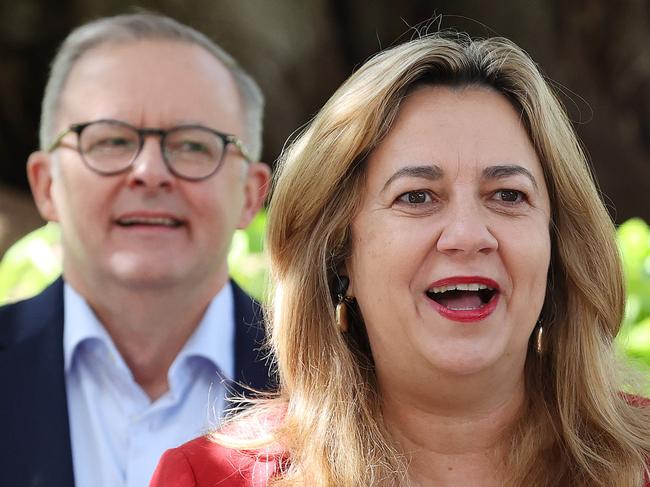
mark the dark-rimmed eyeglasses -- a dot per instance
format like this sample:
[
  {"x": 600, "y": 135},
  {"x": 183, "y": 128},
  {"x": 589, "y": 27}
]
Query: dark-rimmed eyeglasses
[{"x": 109, "y": 147}]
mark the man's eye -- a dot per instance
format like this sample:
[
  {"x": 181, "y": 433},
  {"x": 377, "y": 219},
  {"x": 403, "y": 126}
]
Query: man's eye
[
  {"x": 192, "y": 146},
  {"x": 111, "y": 143},
  {"x": 415, "y": 197},
  {"x": 114, "y": 141},
  {"x": 509, "y": 195}
]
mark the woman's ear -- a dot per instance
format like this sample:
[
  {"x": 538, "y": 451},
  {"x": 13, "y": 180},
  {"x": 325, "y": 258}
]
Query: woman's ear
[{"x": 345, "y": 275}]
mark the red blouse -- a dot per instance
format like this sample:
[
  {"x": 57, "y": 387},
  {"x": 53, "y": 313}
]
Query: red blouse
[{"x": 203, "y": 463}]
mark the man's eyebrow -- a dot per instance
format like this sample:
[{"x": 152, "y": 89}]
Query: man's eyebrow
[
  {"x": 504, "y": 171},
  {"x": 428, "y": 171}
]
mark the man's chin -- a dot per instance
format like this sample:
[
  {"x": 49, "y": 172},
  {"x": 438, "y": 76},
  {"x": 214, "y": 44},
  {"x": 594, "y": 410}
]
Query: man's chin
[
  {"x": 148, "y": 273},
  {"x": 147, "y": 280}
]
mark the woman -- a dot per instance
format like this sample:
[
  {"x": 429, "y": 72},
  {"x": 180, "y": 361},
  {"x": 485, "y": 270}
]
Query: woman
[{"x": 448, "y": 289}]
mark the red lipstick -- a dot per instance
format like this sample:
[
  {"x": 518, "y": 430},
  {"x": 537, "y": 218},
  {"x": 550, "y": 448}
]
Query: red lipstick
[{"x": 464, "y": 299}]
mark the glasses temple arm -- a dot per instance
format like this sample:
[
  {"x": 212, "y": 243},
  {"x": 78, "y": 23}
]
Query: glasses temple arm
[
  {"x": 58, "y": 140},
  {"x": 241, "y": 148}
]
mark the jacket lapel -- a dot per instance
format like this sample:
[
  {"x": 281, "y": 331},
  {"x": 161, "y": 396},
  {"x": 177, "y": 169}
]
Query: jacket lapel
[
  {"x": 35, "y": 437},
  {"x": 35, "y": 440},
  {"x": 251, "y": 364}
]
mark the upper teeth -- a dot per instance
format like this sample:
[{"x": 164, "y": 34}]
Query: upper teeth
[
  {"x": 460, "y": 287},
  {"x": 148, "y": 220}
]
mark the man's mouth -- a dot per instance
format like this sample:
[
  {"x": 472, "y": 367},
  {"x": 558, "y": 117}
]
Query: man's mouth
[
  {"x": 462, "y": 296},
  {"x": 157, "y": 221}
]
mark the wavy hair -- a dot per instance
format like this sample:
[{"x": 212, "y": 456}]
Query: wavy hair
[{"x": 577, "y": 428}]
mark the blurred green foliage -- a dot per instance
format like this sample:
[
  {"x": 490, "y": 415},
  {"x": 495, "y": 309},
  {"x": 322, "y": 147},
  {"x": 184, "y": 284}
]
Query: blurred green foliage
[
  {"x": 634, "y": 243},
  {"x": 247, "y": 260},
  {"x": 34, "y": 261},
  {"x": 30, "y": 264}
]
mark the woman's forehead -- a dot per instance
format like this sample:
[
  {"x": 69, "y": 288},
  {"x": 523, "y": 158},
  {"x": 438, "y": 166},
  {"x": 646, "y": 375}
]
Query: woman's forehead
[{"x": 454, "y": 128}]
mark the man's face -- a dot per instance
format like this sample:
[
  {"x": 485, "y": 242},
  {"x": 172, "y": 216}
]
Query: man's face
[{"x": 147, "y": 84}]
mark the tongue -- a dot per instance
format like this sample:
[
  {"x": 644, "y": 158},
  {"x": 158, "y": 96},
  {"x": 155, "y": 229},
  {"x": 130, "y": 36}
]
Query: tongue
[{"x": 460, "y": 300}]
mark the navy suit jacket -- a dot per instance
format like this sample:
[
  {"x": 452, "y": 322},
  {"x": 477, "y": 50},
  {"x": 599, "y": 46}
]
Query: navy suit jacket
[{"x": 34, "y": 431}]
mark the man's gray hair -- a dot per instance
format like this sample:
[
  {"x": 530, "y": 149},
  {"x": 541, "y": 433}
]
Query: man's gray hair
[{"x": 145, "y": 26}]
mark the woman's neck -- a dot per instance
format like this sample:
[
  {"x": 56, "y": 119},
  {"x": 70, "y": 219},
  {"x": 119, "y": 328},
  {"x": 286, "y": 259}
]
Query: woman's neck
[{"x": 454, "y": 441}]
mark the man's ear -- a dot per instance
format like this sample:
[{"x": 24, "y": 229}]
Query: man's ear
[
  {"x": 40, "y": 169},
  {"x": 256, "y": 188}
]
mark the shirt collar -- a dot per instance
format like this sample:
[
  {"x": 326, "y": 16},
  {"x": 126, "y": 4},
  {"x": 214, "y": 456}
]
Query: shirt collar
[
  {"x": 79, "y": 324},
  {"x": 213, "y": 339}
]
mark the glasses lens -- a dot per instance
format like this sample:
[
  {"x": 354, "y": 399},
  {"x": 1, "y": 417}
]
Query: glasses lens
[
  {"x": 109, "y": 147},
  {"x": 193, "y": 152}
]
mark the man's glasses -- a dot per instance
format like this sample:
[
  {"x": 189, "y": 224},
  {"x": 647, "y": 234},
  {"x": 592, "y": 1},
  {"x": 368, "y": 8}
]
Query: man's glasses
[{"x": 190, "y": 152}]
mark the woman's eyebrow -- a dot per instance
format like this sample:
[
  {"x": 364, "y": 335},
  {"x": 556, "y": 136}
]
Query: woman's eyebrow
[
  {"x": 425, "y": 171},
  {"x": 507, "y": 170}
]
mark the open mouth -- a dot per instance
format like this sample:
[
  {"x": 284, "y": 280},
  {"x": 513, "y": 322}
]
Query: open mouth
[
  {"x": 149, "y": 222},
  {"x": 462, "y": 297}
]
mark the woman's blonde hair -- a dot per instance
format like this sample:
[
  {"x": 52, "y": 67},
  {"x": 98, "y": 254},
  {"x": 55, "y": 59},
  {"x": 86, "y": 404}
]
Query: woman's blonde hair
[{"x": 578, "y": 428}]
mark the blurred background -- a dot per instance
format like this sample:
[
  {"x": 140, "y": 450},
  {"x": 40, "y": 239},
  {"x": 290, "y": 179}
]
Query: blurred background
[{"x": 597, "y": 52}]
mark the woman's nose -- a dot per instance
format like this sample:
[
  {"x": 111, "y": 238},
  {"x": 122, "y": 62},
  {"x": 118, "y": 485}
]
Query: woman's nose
[{"x": 466, "y": 230}]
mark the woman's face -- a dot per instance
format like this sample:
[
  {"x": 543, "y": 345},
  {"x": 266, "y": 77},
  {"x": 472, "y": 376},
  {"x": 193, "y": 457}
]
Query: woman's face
[{"x": 451, "y": 246}]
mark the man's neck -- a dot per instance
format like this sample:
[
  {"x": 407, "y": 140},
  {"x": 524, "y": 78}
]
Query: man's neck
[{"x": 150, "y": 326}]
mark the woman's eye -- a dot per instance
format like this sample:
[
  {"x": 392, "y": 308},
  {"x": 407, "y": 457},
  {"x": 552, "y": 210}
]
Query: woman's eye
[
  {"x": 415, "y": 197},
  {"x": 509, "y": 195}
]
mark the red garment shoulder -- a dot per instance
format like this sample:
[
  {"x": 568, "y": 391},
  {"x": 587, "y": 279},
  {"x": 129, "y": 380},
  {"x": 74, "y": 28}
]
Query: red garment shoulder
[
  {"x": 637, "y": 401},
  {"x": 203, "y": 463},
  {"x": 642, "y": 403}
]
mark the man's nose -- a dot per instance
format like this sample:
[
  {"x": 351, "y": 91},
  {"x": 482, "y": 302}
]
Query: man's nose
[
  {"x": 149, "y": 169},
  {"x": 466, "y": 230}
]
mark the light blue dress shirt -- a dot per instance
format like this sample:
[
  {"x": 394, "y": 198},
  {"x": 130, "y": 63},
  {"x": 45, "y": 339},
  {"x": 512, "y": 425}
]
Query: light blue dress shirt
[{"x": 117, "y": 433}]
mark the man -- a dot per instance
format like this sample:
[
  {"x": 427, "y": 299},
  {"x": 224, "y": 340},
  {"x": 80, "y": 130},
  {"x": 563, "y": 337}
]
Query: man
[{"x": 149, "y": 138}]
